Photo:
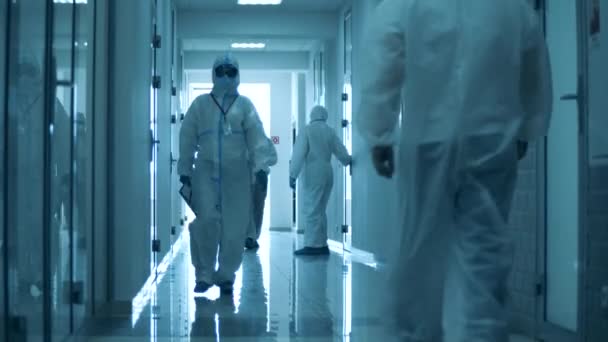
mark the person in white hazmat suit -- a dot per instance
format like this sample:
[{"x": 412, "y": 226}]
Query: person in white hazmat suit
[
  {"x": 225, "y": 131},
  {"x": 259, "y": 192},
  {"x": 313, "y": 150},
  {"x": 474, "y": 78}
]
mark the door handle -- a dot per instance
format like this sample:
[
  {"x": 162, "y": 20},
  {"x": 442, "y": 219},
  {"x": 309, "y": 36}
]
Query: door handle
[
  {"x": 569, "y": 97},
  {"x": 153, "y": 143},
  {"x": 580, "y": 98}
]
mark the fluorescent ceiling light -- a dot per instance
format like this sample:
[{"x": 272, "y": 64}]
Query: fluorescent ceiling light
[
  {"x": 70, "y": 1},
  {"x": 248, "y": 45},
  {"x": 260, "y": 2}
]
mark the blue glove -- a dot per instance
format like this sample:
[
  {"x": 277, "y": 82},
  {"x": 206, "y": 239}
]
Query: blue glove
[
  {"x": 261, "y": 178},
  {"x": 522, "y": 149},
  {"x": 185, "y": 180},
  {"x": 292, "y": 183},
  {"x": 384, "y": 160}
]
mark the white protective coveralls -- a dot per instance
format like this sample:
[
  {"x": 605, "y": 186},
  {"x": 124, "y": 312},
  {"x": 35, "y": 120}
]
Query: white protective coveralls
[
  {"x": 221, "y": 174},
  {"x": 474, "y": 77},
  {"x": 259, "y": 194},
  {"x": 313, "y": 150}
]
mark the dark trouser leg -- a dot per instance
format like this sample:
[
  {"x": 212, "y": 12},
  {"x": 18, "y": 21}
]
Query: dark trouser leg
[{"x": 260, "y": 191}]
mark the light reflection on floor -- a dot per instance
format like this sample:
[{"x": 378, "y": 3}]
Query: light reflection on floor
[{"x": 277, "y": 298}]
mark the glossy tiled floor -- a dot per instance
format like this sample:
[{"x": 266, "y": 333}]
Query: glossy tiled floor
[{"x": 277, "y": 298}]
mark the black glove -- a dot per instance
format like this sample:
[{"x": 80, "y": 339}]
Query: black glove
[
  {"x": 261, "y": 177},
  {"x": 292, "y": 183},
  {"x": 185, "y": 180},
  {"x": 384, "y": 160},
  {"x": 522, "y": 149}
]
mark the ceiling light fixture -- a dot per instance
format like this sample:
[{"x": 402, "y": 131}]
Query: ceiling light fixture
[
  {"x": 248, "y": 45},
  {"x": 260, "y": 2},
  {"x": 77, "y": 2}
]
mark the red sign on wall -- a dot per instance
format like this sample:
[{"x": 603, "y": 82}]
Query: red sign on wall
[{"x": 276, "y": 140}]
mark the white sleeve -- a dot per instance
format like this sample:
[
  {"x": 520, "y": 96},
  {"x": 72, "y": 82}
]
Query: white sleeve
[
  {"x": 300, "y": 151},
  {"x": 257, "y": 141},
  {"x": 272, "y": 154},
  {"x": 188, "y": 140},
  {"x": 340, "y": 151},
  {"x": 383, "y": 74}
]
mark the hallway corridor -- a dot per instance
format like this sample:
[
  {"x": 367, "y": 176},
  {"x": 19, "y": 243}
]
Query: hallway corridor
[
  {"x": 277, "y": 298},
  {"x": 94, "y": 239}
]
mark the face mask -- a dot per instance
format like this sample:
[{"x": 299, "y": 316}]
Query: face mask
[{"x": 225, "y": 84}]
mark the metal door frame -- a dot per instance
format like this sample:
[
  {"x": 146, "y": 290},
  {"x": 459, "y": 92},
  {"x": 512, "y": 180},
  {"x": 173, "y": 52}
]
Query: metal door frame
[
  {"x": 583, "y": 15},
  {"x": 346, "y": 227},
  {"x": 4, "y": 160},
  {"x": 155, "y": 241},
  {"x": 53, "y": 83},
  {"x": 545, "y": 331}
]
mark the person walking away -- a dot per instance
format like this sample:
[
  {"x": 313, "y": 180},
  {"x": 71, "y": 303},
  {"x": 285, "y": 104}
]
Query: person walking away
[{"x": 475, "y": 80}]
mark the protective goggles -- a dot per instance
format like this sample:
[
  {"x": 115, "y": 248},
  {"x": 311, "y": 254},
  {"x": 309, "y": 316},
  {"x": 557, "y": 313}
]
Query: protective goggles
[{"x": 226, "y": 70}]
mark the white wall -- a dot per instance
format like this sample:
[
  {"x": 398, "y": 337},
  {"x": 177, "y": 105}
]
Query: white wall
[
  {"x": 280, "y": 125},
  {"x": 198, "y": 24},
  {"x": 165, "y": 179},
  {"x": 129, "y": 148},
  {"x": 374, "y": 198},
  {"x": 129, "y": 144}
]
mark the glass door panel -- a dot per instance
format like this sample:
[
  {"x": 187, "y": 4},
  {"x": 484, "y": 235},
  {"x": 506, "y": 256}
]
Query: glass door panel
[
  {"x": 562, "y": 169},
  {"x": 60, "y": 168},
  {"x": 24, "y": 193},
  {"x": 82, "y": 188}
]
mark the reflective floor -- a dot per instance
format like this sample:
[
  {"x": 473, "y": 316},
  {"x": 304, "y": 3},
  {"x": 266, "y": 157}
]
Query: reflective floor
[{"x": 277, "y": 298}]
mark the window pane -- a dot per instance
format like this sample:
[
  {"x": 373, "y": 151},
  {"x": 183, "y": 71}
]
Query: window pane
[
  {"x": 60, "y": 144},
  {"x": 25, "y": 152},
  {"x": 82, "y": 155}
]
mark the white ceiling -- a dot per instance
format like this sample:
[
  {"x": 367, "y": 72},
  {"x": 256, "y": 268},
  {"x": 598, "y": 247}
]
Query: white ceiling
[
  {"x": 223, "y": 44},
  {"x": 287, "y": 5},
  {"x": 210, "y": 43}
]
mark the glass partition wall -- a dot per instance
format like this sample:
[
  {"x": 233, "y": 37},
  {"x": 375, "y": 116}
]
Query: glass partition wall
[{"x": 46, "y": 71}]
